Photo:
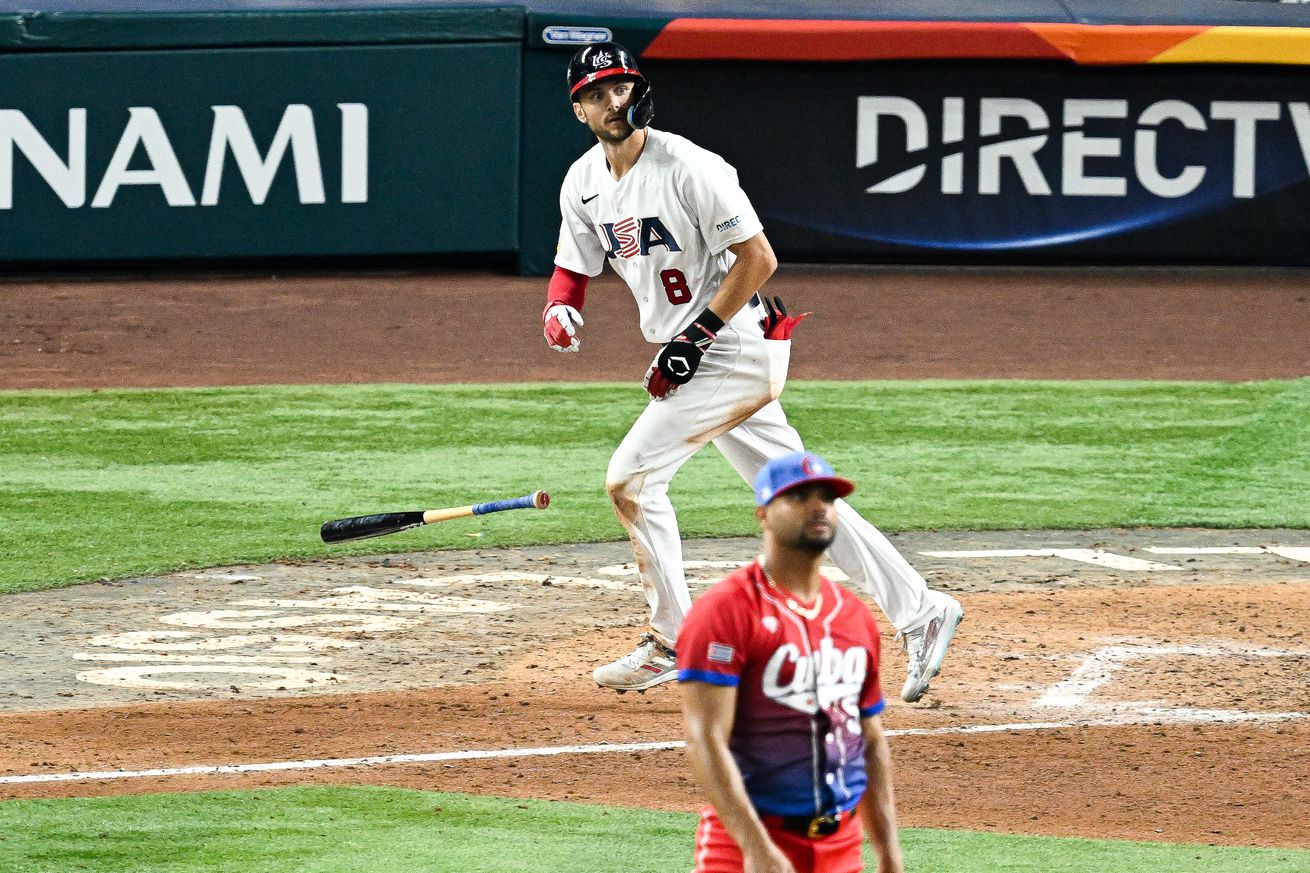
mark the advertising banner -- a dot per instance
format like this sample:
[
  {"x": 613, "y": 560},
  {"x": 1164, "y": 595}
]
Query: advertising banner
[
  {"x": 1008, "y": 162},
  {"x": 409, "y": 149}
]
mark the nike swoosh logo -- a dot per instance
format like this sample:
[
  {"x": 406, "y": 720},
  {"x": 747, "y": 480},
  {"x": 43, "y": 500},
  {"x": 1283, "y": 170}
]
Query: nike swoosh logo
[{"x": 586, "y": 200}]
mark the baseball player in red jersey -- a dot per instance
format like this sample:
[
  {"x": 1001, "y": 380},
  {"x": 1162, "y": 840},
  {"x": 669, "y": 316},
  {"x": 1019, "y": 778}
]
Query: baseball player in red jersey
[
  {"x": 672, "y": 221},
  {"x": 779, "y": 675}
]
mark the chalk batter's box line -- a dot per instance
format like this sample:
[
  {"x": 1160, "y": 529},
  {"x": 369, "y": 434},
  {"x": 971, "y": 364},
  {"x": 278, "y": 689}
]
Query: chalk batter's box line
[{"x": 476, "y": 755}]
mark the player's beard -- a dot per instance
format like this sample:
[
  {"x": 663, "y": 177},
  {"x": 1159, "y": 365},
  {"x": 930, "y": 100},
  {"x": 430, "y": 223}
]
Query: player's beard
[
  {"x": 814, "y": 543},
  {"x": 604, "y": 134}
]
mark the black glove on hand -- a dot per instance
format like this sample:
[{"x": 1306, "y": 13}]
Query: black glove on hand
[{"x": 676, "y": 363}]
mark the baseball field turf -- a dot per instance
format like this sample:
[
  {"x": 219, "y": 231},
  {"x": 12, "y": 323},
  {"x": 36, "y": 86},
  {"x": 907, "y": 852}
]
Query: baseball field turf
[
  {"x": 117, "y": 483},
  {"x": 386, "y": 830}
]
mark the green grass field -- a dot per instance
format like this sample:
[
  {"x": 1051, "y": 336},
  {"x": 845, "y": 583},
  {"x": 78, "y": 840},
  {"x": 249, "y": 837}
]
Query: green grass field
[
  {"x": 384, "y": 830},
  {"x": 116, "y": 483}
]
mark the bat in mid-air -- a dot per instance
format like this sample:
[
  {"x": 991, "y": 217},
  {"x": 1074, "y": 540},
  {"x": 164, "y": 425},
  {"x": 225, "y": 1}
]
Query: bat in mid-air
[{"x": 360, "y": 527}]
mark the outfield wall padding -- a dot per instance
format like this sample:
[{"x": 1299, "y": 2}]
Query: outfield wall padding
[
  {"x": 259, "y": 152},
  {"x": 210, "y": 129},
  {"x": 71, "y": 31},
  {"x": 1053, "y": 136}
]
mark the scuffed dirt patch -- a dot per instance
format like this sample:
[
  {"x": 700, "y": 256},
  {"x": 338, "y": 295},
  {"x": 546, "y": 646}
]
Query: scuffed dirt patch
[{"x": 429, "y": 619}]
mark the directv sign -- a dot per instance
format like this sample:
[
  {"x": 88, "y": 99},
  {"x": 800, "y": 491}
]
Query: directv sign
[
  {"x": 1136, "y": 156},
  {"x": 1018, "y": 162},
  {"x": 1135, "y": 149}
]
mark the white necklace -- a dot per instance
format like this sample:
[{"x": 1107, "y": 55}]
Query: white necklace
[{"x": 811, "y": 613}]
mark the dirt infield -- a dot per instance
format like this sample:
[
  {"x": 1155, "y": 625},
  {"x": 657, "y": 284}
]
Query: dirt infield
[{"x": 1166, "y": 697}]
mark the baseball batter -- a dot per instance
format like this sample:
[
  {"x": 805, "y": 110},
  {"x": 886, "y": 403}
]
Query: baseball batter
[
  {"x": 781, "y": 699},
  {"x": 673, "y": 222}
]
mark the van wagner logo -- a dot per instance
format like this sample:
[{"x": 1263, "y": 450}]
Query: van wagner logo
[
  {"x": 145, "y": 155},
  {"x": 558, "y": 34}
]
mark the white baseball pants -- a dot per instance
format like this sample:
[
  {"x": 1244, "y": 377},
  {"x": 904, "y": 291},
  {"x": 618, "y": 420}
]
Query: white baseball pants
[{"x": 732, "y": 402}]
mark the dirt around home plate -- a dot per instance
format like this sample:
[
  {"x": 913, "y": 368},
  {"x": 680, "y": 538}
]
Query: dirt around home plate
[
  {"x": 1194, "y": 734},
  {"x": 1154, "y": 703}
]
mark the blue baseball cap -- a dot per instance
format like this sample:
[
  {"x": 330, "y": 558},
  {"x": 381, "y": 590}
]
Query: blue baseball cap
[{"x": 798, "y": 468}]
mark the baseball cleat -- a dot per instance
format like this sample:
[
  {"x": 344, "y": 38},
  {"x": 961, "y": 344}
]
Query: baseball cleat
[
  {"x": 648, "y": 665},
  {"x": 925, "y": 646}
]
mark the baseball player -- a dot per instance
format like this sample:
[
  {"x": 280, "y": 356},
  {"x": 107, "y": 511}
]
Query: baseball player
[
  {"x": 672, "y": 221},
  {"x": 780, "y": 698}
]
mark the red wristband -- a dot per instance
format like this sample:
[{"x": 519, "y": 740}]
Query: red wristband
[{"x": 566, "y": 287}]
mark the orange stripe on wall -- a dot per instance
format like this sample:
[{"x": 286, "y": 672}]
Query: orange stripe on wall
[
  {"x": 744, "y": 39},
  {"x": 1113, "y": 43}
]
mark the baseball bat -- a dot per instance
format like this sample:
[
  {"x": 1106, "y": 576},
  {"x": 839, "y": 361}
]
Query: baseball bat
[{"x": 360, "y": 527}]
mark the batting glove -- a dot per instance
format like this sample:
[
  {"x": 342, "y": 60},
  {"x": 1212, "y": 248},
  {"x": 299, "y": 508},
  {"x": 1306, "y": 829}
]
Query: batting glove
[
  {"x": 561, "y": 327},
  {"x": 777, "y": 324},
  {"x": 676, "y": 363}
]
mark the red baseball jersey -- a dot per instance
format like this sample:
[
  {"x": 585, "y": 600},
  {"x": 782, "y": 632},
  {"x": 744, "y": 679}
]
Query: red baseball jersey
[{"x": 805, "y": 675}]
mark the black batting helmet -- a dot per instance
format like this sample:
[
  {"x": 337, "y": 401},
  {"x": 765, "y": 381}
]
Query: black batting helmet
[{"x": 602, "y": 60}]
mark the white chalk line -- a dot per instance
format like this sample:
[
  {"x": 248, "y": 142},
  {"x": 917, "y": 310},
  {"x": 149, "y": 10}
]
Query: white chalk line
[
  {"x": 471, "y": 755},
  {"x": 545, "y": 751},
  {"x": 1098, "y": 557}
]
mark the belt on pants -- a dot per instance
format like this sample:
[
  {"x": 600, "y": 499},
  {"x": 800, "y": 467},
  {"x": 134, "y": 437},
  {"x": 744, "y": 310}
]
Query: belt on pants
[{"x": 816, "y": 827}]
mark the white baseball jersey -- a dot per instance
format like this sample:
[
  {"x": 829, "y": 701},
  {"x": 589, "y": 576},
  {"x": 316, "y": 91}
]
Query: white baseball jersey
[{"x": 665, "y": 227}]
